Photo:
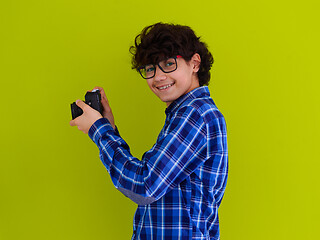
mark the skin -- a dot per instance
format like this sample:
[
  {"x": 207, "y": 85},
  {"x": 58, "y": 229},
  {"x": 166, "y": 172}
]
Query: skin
[
  {"x": 184, "y": 80},
  {"x": 90, "y": 115},
  {"x": 179, "y": 82}
]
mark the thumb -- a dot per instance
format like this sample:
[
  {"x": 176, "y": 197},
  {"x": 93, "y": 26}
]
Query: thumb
[{"x": 81, "y": 104}]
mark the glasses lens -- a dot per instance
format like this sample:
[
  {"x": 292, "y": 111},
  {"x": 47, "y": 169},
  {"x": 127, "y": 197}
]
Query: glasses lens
[
  {"x": 147, "y": 71},
  {"x": 168, "y": 65}
]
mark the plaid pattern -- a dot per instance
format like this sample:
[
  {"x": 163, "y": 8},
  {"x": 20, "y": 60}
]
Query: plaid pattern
[{"x": 179, "y": 183}]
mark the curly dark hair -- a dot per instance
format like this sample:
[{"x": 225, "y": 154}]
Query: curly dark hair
[{"x": 163, "y": 40}]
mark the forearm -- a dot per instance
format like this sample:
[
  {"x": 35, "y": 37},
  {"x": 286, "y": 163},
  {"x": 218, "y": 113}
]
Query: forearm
[
  {"x": 127, "y": 172},
  {"x": 174, "y": 157}
]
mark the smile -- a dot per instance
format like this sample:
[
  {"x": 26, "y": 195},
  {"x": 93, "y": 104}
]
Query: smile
[{"x": 165, "y": 87}]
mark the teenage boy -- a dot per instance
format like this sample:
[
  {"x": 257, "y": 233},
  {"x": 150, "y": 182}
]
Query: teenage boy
[{"x": 179, "y": 183}]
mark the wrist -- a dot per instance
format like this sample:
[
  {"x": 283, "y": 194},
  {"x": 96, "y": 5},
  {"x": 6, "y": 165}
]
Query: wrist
[{"x": 98, "y": 128}]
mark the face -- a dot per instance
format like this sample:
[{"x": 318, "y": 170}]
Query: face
[{"x": 170, "y": 86}]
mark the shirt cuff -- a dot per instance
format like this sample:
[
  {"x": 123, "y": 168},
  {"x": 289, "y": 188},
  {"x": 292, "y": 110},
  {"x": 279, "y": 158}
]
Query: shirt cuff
[{"x": 99, "y": 128}]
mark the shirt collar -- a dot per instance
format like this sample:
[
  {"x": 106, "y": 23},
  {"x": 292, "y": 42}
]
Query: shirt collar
[{"x": 195, "y": 93}]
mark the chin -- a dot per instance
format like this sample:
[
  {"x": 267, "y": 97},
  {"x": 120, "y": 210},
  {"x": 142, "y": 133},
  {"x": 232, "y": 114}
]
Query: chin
[{"x": 167, "y": 100}]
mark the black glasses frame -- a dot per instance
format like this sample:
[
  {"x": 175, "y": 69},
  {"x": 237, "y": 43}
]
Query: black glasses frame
[{"x": 154, "y": 65}]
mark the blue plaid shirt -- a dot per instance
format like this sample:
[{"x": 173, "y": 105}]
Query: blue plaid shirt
[{"x": 179, "y": 183}]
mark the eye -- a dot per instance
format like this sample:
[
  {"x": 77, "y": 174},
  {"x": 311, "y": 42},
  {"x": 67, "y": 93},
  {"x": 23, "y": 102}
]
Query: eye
[
  {"x": 149, "y": 68},
  {"x": 170, "y": 62}
]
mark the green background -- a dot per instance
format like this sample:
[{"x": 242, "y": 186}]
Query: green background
[{"x": 265, "y": 80}]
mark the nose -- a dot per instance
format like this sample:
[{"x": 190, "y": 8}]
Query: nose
[{"x": 160, "y": 75}]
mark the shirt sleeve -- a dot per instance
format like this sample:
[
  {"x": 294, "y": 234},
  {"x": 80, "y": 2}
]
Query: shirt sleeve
[{"x": 174, "y": 157}]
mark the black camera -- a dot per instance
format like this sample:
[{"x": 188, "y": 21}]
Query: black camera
[{"x": 93, "y": 99}]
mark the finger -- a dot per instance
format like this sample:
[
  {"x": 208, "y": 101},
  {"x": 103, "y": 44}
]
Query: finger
[
  {"x": 95, "y": 88},
  {"x": 104, "y": 98},
  {"x": 73, "y": 123},
  {"x": 81, "y": 104},
  {"x": 100, "y": 89}
]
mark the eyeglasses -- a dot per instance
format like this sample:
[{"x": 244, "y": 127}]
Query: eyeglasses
[{"x": 167, "y": 66}]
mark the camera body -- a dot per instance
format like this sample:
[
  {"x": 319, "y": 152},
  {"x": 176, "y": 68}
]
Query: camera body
[{"x": 93, "y": 99}]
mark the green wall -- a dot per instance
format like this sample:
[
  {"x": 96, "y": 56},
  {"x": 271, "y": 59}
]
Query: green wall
[{"x": 265, "y": 81}]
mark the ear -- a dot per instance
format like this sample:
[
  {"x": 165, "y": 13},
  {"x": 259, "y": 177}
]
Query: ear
[{"x": 195, "y": 61}]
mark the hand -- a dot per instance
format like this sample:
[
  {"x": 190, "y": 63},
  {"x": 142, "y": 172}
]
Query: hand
[
  {"x": 89, "y": 117},
  {"x": 107, "y": 112}
]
